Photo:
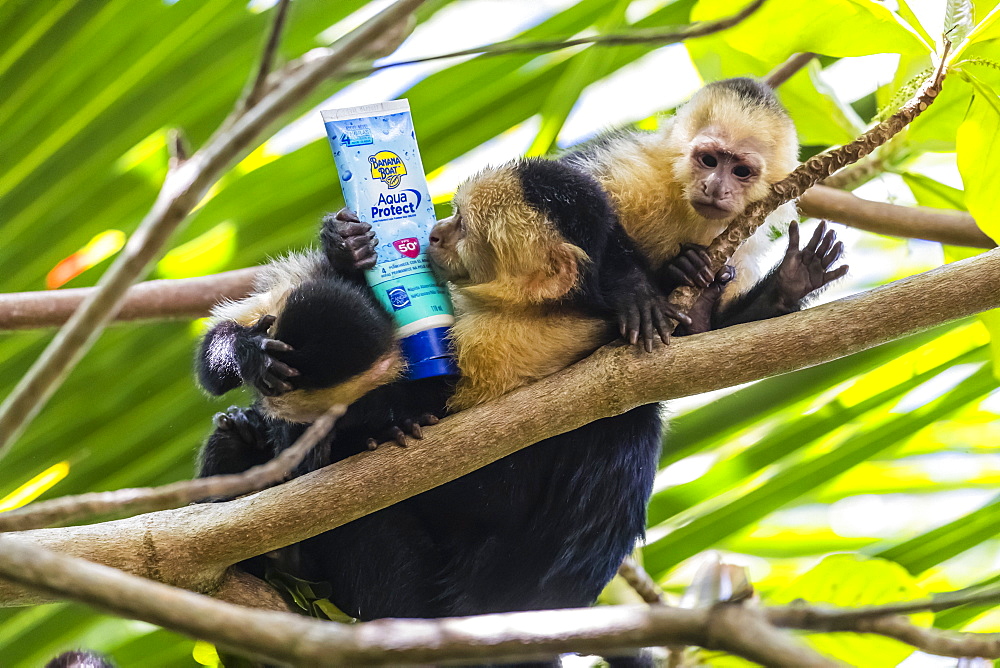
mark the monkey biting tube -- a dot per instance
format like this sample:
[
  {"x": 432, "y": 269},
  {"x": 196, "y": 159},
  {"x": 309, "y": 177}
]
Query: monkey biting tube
[{"x": 375, "y": 150}]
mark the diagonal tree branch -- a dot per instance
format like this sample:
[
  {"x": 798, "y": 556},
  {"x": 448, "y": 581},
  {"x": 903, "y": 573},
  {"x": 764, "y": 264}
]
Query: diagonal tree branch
[
  {"x": 788, "y": 69},
  {"x": 69, "y": 509},
  {"x": 257, "y": 87},
  {"x": 750, "y": 632},
  {"x": 181, "y": 191},
  {"x": 192, "y": 546}
]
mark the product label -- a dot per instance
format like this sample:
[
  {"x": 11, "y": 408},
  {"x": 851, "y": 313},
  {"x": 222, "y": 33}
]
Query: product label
[{"x": 383, "y": 181}]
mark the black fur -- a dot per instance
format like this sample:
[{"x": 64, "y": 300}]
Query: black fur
[
  {"x": 336, "y": 330},
  {"x": 79, "y": 659},
  {"x": 545, "y": 527}
]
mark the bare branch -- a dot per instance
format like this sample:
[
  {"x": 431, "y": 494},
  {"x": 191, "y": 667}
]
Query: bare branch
[
  {"x": 656, "y": 36},
  {"x": 949, "y": 227},
  {"x": 738, "y": 629},
  {"x": 787, "y": 69},
  {"x": 160, "y": 300},
  {"x": 643, "y": 584},
  {"x": 68, "y": 509},
  {"x": 177, "y": 146},
  {"x": 258, "y": 88},
  {"x": 181, "y": 191},
  {"x": 192, "y": 546}
]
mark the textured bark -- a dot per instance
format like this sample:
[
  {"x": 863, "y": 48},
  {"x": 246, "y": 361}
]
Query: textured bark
[{"x": 191, "y": 547}]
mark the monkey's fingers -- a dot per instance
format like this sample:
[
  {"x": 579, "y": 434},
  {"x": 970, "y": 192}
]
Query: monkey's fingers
[
  {"x": 647, "y": 328},
  {"x": 275, "y": 346},
  {"x": 263, "y": 324},
  {"x": 412, "y": 428},
  {"x": 726, "y": 274},
  {"x": 662, "y": 325},
  {"x": 826, "y": 244},
  {"x": 793, "y": 237},
  {"x": 693, "y": 268},
  {"x": 831, "y": 276},
  {"x": 371, "y": 444},
  {"x": 833, "y": 255},
  {"x": 675, "y": 275},
  {"x": 398, "y": 436},
  {"x": 275, "y": 384},
  {"x": 281, "y": 370},
  {"x": 629, "y": 324},
  {"x": 350, "y": 231},
  {"x": 429, "y": 419},
  {"x": 810, "y": 249},
  {"x": 346, "y": 215}
]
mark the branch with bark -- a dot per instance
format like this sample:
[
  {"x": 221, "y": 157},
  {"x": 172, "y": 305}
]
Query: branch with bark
[
  {"x": 192, "y": 547},
  {"x": 753, "y": 633},
  {"x": 67, "y": 509}
]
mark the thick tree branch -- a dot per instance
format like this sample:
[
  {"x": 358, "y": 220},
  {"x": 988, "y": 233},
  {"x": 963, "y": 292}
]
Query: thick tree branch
[
  {"x": 948, "y": 227},
  {"x": 192, "y": 546},
  {"x": 181, "y": 191},
  {"x": 69, "y": 509},
  {"x": 746, "y": 631}
]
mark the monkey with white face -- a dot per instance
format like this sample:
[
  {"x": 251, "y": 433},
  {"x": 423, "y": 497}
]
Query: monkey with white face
[{"x": 677, "y": 189}]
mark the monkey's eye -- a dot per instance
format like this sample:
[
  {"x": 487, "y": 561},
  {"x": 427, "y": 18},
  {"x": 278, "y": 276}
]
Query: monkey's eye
[
  {"x": 709, "y": 160},
  {"x": 742, "y": 171}
]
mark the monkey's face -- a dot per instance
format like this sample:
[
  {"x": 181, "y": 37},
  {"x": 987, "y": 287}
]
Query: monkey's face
[
  {"x": 498, "y": 247},
  {"x": 725, "y": 175}
]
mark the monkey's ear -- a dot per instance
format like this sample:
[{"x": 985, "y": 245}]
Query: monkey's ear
[{"x": 559, "y": 276}]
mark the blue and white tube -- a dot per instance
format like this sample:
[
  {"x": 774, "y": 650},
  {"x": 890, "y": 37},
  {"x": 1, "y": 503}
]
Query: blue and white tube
[{"x": 375, "y": 149}]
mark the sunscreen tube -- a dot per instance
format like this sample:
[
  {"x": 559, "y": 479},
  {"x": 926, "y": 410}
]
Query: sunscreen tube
[{"x": 375, "y": 149}]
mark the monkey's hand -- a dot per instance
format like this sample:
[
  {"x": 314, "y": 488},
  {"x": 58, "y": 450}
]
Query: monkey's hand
[
  {"x": 692, "y": 267},
  {"x": 348, "y": 243},
  {"x": 704, "y": 307},
  {"x": 256, "y": 357},
  {"x": 802, "y": 272},
  {"x": 644, "y": 314},
  {"x": 237, "y": 444}
]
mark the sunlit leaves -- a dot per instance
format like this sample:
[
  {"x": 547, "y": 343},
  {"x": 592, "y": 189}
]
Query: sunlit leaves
[
  {"x": 847, "y": 581},
  {"x": 830, "y": 27},
  {"x": 978, "y": 145}
]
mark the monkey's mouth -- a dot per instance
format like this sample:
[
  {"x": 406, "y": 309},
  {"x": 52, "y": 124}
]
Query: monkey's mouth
[{"x": 709, "y": 209}]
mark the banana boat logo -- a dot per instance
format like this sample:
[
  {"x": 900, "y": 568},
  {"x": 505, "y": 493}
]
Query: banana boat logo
[{"x": 388, "y": 168}]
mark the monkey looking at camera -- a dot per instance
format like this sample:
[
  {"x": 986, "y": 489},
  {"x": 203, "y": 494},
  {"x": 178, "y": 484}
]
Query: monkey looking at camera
[{"x": 677, "y": 189}]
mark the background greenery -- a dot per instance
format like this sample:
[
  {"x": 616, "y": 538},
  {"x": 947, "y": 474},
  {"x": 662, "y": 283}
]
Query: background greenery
[{"x": 889, "y": 454}]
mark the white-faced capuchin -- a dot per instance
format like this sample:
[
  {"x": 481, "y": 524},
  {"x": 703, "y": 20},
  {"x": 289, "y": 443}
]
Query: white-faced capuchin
[{"x": 677, "y": 189}]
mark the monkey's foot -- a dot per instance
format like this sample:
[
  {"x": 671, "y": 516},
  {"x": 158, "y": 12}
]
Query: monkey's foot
[
  {"x": 408, "y": 427},
  {"x": 802, "y": 272},
  {"x": 237, "y": 426},
  {"x": 348, "y": 242}
]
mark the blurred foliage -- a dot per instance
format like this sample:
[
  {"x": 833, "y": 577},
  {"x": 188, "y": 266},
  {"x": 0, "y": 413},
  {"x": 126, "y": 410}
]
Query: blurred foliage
[{"x": 889, "y": 455}]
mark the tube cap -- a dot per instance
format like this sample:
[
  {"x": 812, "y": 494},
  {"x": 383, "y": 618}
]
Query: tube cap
[{"x": 428, "y": 353}]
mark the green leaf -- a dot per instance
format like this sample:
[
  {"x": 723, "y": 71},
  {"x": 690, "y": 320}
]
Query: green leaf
[
  {"x": 958, "y": 19},
  {"x": 831, "y": 27},
  {"x": 851, "y": 581},
  {"x": 978, "y": 144}
]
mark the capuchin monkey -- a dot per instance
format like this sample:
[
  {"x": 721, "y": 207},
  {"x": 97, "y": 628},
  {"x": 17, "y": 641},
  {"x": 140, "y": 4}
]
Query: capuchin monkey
[{"x": 677, "y": 189}]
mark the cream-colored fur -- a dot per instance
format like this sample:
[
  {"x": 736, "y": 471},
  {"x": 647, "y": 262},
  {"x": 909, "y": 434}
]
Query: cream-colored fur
[
  {"x": 509, "y": 328},
  {"x": 648, "y": 176},
  {"x": 273, "y": 284}
]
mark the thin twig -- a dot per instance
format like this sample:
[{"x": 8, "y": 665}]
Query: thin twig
[
  {"x": 177, "y": 147},
  {"x": 787, "y": 69},
  {"x": 181, "y": 191},
  {"x": 657, "y": 36},
  {"x": 70, "y": 509},
  {"x": 643, "y": 584},
  {"x": 258, "y": 87}
]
